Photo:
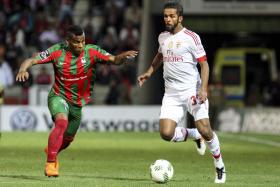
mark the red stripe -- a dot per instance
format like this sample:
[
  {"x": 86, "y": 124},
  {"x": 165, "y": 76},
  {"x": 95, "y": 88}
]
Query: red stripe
[
  {"x": 81, "y": 72},
  {"x": 80, "y": 93},
  {"x": 193, "y": 36},
  {"x": 217, "y": 156},
  {"x": 202, "y": 59},
  {"x": 87, "y": 90},
  {"x": 55, "y": 86},
  {"x": 56, "y": 57},
  {"x": 91, "y": 56},
  {"x": 101, "y": 56},
  {"x": 98, "y": 55},
  {"x": 67, "y": 74},
  {"x": 90, "y": 74}
]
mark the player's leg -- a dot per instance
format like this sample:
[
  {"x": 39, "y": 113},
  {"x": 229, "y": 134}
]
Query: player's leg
[
  {"x": 167, "y": 129},
  {"x": 56, "y": 136},
  {"x": 170, "y": 132},
  {"x": 59, "y": 110},
  {"x": 73, "y": 126},
  {"x": 203, "y": 126},
  {"x": 170, "y": 116},
  {"x": 171, "y": 113},
  {"x": 200, "y": 113},
  {"x": 195, "y": 135}
]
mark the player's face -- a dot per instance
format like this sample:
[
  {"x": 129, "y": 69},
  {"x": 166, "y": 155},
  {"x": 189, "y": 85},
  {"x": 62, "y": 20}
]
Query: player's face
[
  {"x": 76, "y": 44},
  {"x": 171, "y": 19}
]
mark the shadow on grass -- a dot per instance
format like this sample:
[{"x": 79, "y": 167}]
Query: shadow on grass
[
  {"x": 117, "y": 178},
  {"x": 25, "y": 177},
  {"x": 108, "y": 177}
]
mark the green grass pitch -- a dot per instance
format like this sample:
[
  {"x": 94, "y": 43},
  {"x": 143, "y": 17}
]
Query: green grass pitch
[{"x": 123, "y": 159}]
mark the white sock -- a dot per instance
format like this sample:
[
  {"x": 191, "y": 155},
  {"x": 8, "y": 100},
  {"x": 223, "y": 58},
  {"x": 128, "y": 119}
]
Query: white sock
[
  {"x": 179, "y": 134},
  {"x": 193, "y": 133},
  {"x": 214, "y": 146}
]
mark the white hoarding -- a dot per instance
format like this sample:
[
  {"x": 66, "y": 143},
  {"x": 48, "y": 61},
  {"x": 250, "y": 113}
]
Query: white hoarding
[
  {"x": 263, "y": 120},
  {"x": 94, "y": 118},
  {"x": 256, "y": 120}
]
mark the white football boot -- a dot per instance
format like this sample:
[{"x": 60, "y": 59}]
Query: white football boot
[
  {"x": 220, "y": 175},
  {"x": 220, "y": 171}
]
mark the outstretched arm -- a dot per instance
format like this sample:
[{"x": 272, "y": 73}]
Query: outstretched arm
[
  {"x": 22, "y": 74},
  {"x": 202, "y": 94},
  {"x": 157, "y": 61},
  {"x": 123, "y": 57}
]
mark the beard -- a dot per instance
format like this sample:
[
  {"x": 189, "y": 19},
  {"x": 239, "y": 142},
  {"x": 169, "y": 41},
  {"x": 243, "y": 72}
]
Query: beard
[{"x": 171, "y": 28}]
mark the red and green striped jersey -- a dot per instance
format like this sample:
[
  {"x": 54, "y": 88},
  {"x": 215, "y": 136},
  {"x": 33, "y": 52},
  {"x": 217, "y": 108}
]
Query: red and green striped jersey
[{"x": 73, "y": 74}]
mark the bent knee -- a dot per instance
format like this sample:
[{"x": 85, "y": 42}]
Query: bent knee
[{"x": 167, "y": 136}]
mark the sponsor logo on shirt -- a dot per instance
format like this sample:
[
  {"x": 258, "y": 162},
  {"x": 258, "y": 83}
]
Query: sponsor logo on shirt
[
  {"x": 170, "y": 57},
  {"x": 73, "y": 79},
  {"x": 44, "y": 55}
]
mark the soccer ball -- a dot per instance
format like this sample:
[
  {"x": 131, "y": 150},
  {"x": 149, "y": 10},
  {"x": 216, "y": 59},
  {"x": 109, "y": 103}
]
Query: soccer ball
[{"x": 161, "y": 171}]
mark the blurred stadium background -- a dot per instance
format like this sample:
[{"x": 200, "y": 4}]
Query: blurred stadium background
[{"x": 241, "y": 38}]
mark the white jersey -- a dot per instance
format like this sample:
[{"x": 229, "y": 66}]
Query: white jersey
[{"x": 181, "y": 52}]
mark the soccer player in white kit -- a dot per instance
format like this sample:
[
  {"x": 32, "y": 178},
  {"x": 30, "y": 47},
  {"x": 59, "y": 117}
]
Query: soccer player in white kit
[{"x": 185, "y": 89}]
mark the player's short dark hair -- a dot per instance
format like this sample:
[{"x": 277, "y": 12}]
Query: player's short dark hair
[
  {"x": 74, "y": 30},
  {"x": 176, "y": 5}
]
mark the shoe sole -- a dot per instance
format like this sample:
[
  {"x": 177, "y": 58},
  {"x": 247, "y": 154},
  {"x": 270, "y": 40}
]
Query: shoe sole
[{"x": 50, "y": 175}]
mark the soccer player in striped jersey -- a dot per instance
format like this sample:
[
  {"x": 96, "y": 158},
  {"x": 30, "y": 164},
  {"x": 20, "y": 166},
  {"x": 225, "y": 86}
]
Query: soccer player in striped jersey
[
  {"x": 74, "y": 69},
  {"x": 185, "y": 89}
]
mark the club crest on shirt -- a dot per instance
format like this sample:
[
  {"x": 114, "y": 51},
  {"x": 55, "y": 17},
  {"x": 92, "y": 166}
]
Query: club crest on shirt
[
  {"x": 178, "y": 44},
  {"x": 170, "y": 44},
  {"x": 83, "y": 60}
]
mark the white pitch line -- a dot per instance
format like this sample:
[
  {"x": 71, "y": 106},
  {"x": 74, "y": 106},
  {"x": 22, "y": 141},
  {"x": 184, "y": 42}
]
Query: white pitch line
[{"x": 251, "y": 139}]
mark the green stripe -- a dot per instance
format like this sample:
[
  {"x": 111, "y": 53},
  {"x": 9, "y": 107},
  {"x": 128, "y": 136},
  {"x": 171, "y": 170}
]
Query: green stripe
[
  {"x": 83, "y": 102},
  {"x": 56, "y": 47},
  {"x": 87, "y": 57},
  {"x": 84, "y": 89},
  {"x": 85, "y": 86},
  {"x": 74, "y": 90},
  {"x": 74, "y": 65},
  {"x": 61, "y": 85}
]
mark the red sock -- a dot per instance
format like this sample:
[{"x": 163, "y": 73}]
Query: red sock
[
  {"x": 55, "y": 139},
  {"x": 66, "y": 142}
]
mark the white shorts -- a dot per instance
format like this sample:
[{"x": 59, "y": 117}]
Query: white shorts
[{"x": 175, "y": 107}]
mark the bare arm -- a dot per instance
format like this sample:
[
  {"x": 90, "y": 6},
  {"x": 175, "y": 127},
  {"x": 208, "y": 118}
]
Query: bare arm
[
  {"x": 157, "y": 61},
  {"x": 123, "y": 57},
  {"x": 23, "y": 75},
  {"x": 202, "y": 94}
]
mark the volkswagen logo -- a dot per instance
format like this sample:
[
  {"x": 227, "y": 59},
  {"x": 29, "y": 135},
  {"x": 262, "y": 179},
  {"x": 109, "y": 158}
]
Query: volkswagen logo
[{"x": 23, "y": 119}]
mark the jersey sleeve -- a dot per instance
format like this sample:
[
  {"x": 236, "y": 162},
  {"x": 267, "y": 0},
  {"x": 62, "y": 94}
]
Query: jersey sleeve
[
  {"x": 48, "y": 55},
  {"x": 98, "y": 55},
  {"x": 197, "y": 49},
  {"x": 159, "y": 42},
  {"x": 159, "y": 46}
]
